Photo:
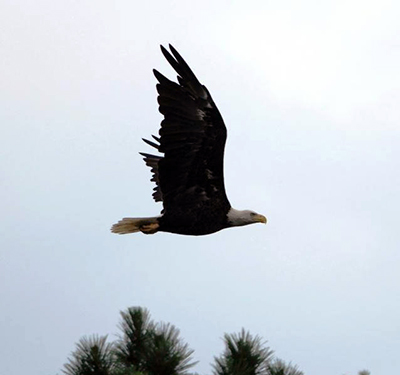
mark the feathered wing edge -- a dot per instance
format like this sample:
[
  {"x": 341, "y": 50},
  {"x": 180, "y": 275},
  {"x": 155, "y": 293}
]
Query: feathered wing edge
[
  {"x": 186, "y": 77},
  {"x": 152, "y": 162}
]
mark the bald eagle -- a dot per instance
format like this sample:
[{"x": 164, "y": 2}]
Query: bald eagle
[{"x": 189, "y": 177}]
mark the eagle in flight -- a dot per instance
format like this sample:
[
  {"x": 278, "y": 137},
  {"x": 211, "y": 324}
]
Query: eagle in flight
[{"x": 189, "y": 176}]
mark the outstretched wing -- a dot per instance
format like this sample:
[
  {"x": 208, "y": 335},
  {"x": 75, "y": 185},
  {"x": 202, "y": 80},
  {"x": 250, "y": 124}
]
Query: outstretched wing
[{"x": 192, "y": 138}]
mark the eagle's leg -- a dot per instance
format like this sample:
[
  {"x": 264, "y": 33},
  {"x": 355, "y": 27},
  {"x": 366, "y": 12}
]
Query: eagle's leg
[{"x": 149, "y": 228}]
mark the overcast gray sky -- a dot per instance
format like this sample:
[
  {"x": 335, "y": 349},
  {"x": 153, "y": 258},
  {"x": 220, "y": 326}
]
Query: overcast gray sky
[{"x": 310, "y": 93}]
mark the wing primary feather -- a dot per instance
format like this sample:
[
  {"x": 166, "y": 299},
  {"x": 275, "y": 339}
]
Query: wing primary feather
[
  {"x": 182, "y": 64},
  {"x": 161, "y": 78},
  {"x": 171, "y": 60},
  {"x": 156, "y": 138},
  {"x": 150, "y": 156},
  {"x": 186, "y": 77},
  {"x": 150, "y": 143}
]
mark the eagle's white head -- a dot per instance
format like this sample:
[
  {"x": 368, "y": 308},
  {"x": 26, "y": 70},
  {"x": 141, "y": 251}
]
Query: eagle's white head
[{"x": 238, "y": 218}]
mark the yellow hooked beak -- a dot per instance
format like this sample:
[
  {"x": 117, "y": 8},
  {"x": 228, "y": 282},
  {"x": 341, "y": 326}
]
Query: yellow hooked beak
[{"x": 261, "y": 219}]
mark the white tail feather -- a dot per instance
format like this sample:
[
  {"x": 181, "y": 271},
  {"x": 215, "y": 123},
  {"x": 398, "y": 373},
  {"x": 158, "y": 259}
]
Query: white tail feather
[{"x": 147, "y": 225}]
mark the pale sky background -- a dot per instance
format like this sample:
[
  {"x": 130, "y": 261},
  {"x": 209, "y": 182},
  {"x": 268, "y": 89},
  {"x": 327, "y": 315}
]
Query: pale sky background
[{"x": 310, "y": 93}]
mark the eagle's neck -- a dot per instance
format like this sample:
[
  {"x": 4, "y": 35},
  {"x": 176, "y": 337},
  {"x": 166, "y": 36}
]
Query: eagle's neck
[{"x": 238, "y": 217}]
